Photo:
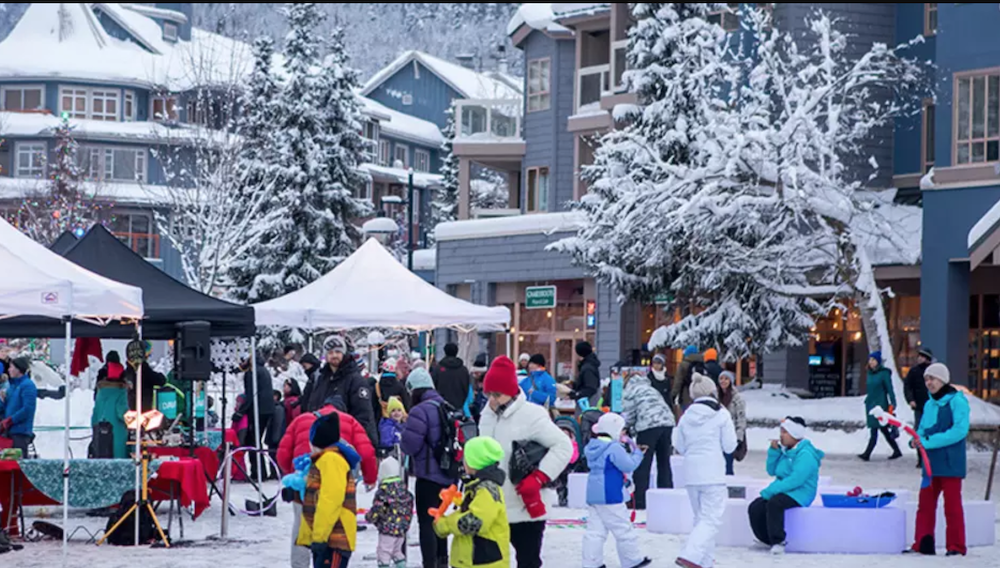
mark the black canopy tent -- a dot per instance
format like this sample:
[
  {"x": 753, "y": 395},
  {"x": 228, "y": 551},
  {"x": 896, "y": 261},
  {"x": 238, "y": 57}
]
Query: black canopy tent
[
  {"x": 64, "y": 243},
  {"x": 168, "y": 302}
]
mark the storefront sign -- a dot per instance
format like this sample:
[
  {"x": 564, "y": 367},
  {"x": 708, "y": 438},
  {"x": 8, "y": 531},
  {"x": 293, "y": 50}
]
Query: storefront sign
[
  {"x": 664, "y": 299},
  {"x": 540, "y": 297}
]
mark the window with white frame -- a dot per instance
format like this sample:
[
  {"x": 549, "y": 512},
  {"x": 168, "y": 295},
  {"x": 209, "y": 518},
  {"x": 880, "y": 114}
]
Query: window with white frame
[
  {"x": 384, "y": 153},
  {"x": 371, "y": 130},
  {"x": 930, "y": 18},
  {"x": 104, "y": 105},
  {"x": 169, "y": 31},
  {"x": 22, "y": 97},
  {"x": 164, "y": 108},
  {"x": 977, "y": 109},
  {"x": 30, "y": 159},
  {"x": 539, "y": 84},
  {"x": 112, "y": 163},
  {"x": 421, "y": 160},
  {"x": 73, "y": 102},
  {"x": 128, "y": 107},
  {"x": 538, "y": 189},
  {"x": 728, "y": 17},
  {"x": 135, "y": 229},
  {"x": 401, "y": 156}
]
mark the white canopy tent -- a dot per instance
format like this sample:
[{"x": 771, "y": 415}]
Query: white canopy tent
[
  {"x": 372, "y": 289},
  {"x": 39, "y": 282}
]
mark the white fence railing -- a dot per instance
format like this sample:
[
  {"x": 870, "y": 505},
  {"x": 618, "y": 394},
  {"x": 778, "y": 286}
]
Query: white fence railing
[{"x": 481, "y": 119}]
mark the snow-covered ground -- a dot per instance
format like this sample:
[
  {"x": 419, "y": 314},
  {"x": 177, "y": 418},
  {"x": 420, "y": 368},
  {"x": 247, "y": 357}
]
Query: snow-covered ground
[{"x": 264, "y": 542}]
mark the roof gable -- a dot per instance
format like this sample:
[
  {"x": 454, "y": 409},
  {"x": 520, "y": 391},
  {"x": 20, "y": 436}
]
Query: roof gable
[{"x": 467, "y": 83}]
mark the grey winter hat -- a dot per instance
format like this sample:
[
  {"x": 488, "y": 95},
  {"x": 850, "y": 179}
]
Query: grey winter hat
[
  {"x": 702, "y": 386},
  {"x": 335, "y": 343},
  {"x": 939, "y": 371}
]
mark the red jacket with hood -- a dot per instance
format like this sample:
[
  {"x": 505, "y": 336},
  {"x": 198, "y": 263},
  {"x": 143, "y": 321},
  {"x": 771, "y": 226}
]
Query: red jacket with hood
[{"x": 295, "y": 442}]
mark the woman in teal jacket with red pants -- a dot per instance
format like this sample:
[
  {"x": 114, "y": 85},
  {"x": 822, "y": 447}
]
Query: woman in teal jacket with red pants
[{"x": 943, "y": 431}]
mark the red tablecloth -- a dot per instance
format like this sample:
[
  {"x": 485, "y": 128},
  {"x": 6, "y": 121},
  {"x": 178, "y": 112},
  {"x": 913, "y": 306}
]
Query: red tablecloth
[
  {"x": 189, "y": 475},
  {"x": 6, "y": 443},
  {"x": 208, "y": 458}
]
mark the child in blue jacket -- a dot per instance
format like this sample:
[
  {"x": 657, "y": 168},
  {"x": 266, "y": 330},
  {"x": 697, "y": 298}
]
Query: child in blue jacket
[{"x": 612, "y": 457}]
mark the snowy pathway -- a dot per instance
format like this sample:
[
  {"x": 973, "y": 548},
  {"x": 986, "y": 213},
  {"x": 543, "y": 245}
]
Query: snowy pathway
[{"x": 264, "y": 542}]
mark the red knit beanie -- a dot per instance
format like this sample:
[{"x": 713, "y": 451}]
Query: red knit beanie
[{"x": 502, "y": 377}]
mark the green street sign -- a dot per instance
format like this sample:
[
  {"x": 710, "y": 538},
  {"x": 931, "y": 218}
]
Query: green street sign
[
  {"x": 540, "y": 297},
  {"x": 664, "y": 299}
]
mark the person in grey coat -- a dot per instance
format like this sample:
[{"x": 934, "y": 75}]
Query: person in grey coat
[{"x": 649, "y": 415}]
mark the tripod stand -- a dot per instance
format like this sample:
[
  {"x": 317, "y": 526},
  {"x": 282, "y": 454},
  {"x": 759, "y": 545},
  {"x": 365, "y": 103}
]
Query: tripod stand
[{"x": 143, "y": 503}]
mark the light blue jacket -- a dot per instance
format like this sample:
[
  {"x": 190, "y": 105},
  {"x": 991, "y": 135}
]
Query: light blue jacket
[
  {"x": 610, "y": 466},
  {"x": 943, "y": 430},
  {"x": 797, "y": 472},
  {"x": 540, "y": 388}
]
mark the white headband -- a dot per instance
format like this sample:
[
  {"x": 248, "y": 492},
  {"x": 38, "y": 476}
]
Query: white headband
[{"x": 794, "y": 429}]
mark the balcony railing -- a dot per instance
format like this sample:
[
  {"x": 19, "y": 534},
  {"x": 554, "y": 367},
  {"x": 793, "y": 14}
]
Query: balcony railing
[
  {"x": 591, "y": 84},
  {"x": 619, "y": 62},
  {"x": 488, "y": 120}
]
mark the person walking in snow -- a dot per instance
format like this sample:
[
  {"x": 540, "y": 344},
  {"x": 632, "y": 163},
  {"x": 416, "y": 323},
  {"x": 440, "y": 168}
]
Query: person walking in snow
[
  {"x": 341, "y": 376},
  {"x": 510, "y": 419},
  {"x": 703, "y": 436},
  {"x": 881, "y": 394},
  {"x": 452, "y": 381},
  {"x": 423, "y": 432},
  {"x": 943, "y": 430},
  {"x": 611, "y": 456},
  {"x": 712, "y": 367},
  {"x": 587, "y": 385},
  {"x": 391, "y": 513},
  {"x": 680, "y": 395},
  {"x": 733, "y": 401},
  {"x": 915, "y": 390},
  {"x": 648, "y": 415},
  {"x": 660, "y": 379},
  {"x": 539, "y": 386},
  {"x": 795, "y": 463}
]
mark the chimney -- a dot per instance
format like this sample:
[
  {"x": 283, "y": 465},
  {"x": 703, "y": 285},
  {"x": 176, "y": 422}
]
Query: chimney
[
  {"x": 466, "y": 60},
  {"x": 502, "y": 66}
]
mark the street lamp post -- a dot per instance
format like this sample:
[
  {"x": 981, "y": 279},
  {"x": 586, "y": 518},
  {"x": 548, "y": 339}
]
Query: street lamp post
[{"x": 409, "y": 229}]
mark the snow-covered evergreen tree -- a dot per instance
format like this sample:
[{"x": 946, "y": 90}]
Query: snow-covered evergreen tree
[
  {"x": 444, "y": 204},
  {"x": 306, "y": 228}
]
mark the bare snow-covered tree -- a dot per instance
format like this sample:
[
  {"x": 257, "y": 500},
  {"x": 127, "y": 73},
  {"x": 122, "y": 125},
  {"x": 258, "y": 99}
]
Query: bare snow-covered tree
[{"x": 727, "y": 187}]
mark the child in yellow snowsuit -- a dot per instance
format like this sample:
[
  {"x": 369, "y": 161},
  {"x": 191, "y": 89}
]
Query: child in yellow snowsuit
[
  {"x": 329, "y": 510},
  {"x": 480, "y": 527}
]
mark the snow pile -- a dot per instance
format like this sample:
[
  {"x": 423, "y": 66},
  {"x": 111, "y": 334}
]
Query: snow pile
[
  {"x": 67, "y": 40},
  {"x": 772, "y": 404},
  {"x": 537, "y": 16},
  {"x": 470, "y": 84},
  {"x": 507, "y": 226},
  {"x": 425, "y": 259},
  {"x": 985, "y": 226}
]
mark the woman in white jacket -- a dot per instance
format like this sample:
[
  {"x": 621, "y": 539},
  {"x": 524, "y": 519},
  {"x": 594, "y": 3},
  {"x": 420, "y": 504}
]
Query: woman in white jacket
[
  {"x": 705, "y": 434},
  {"x": 510, "y": 418}
]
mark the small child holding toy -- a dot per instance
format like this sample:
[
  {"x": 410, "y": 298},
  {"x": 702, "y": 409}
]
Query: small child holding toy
[{"x": 480, "y": 528}]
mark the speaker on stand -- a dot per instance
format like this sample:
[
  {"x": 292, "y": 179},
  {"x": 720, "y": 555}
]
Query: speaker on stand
[{"x": 193, "y": 366}]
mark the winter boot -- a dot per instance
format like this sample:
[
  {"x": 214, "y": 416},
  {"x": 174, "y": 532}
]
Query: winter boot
[
  {"x": 5, "y": 542},
  {"x": 896, "y": 455},
  {"x": 864, "y": 457},
  {"x": 926, "y": 546},
  {"x": 645, "y": 562},
  {"x": 400, "y": 564},
  {"x": 778, "y": 550},
  {"x": 954, "y": 553}
]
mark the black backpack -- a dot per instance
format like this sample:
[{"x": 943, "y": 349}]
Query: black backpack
[
  {"x": 125, "y": 534},
  {"x": 103, "y": 444},
  {"x": 456, "y": 429}
]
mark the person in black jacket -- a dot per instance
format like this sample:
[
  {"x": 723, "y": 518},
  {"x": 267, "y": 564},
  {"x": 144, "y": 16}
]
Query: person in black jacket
[
  {"x": 275, "y": 431},
  {"x": 588, "y": 377},
  {"x": 660, "y": 378},
  {"x": 265, "y": 405},
  {"x": 452, "y": 380},
  {"x": 341, "y": 375},
  {"x": 151, "y": 380},
  {"x": 388, "y": 385},
  {"x": 915, "y": 390}
]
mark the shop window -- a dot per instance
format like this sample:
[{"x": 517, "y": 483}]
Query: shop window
[{"x": 571, "y": 317}]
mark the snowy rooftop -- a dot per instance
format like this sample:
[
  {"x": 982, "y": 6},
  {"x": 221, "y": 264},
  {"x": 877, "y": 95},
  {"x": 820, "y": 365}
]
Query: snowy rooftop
[
  {"x": 469, "y": 83},
  {"x": 986, "y": 225},
  {"x": 73, "y": 45},
  {"x": 538, "y": 16},
  {"x": 506, "y": 226},
  {"x": 44, "y": 125},
  {"x": 400, "y": 125},
  {"x": 116, "y": 192}
]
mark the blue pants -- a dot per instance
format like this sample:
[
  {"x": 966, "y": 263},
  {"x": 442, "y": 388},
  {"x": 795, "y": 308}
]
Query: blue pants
[
  {"x": 332, "y": 559},
  {"x": 729, "y": 464}
]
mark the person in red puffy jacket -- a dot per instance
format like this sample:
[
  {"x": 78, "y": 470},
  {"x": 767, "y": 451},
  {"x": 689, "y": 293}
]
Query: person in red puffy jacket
[{"x": 295, "y": 443}]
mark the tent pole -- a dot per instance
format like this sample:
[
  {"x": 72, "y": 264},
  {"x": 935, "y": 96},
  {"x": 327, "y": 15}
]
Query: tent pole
[
  {"x": 65, "y": 543},
  {"x": 138, "y": 437},
  {"x": 256, "y": 420},
  {"x": 510, "y": 338}
]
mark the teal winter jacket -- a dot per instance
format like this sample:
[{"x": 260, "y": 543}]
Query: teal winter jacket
[
  {"x": 797, "y": 472},
  {"x": 943, "y": 430}
]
